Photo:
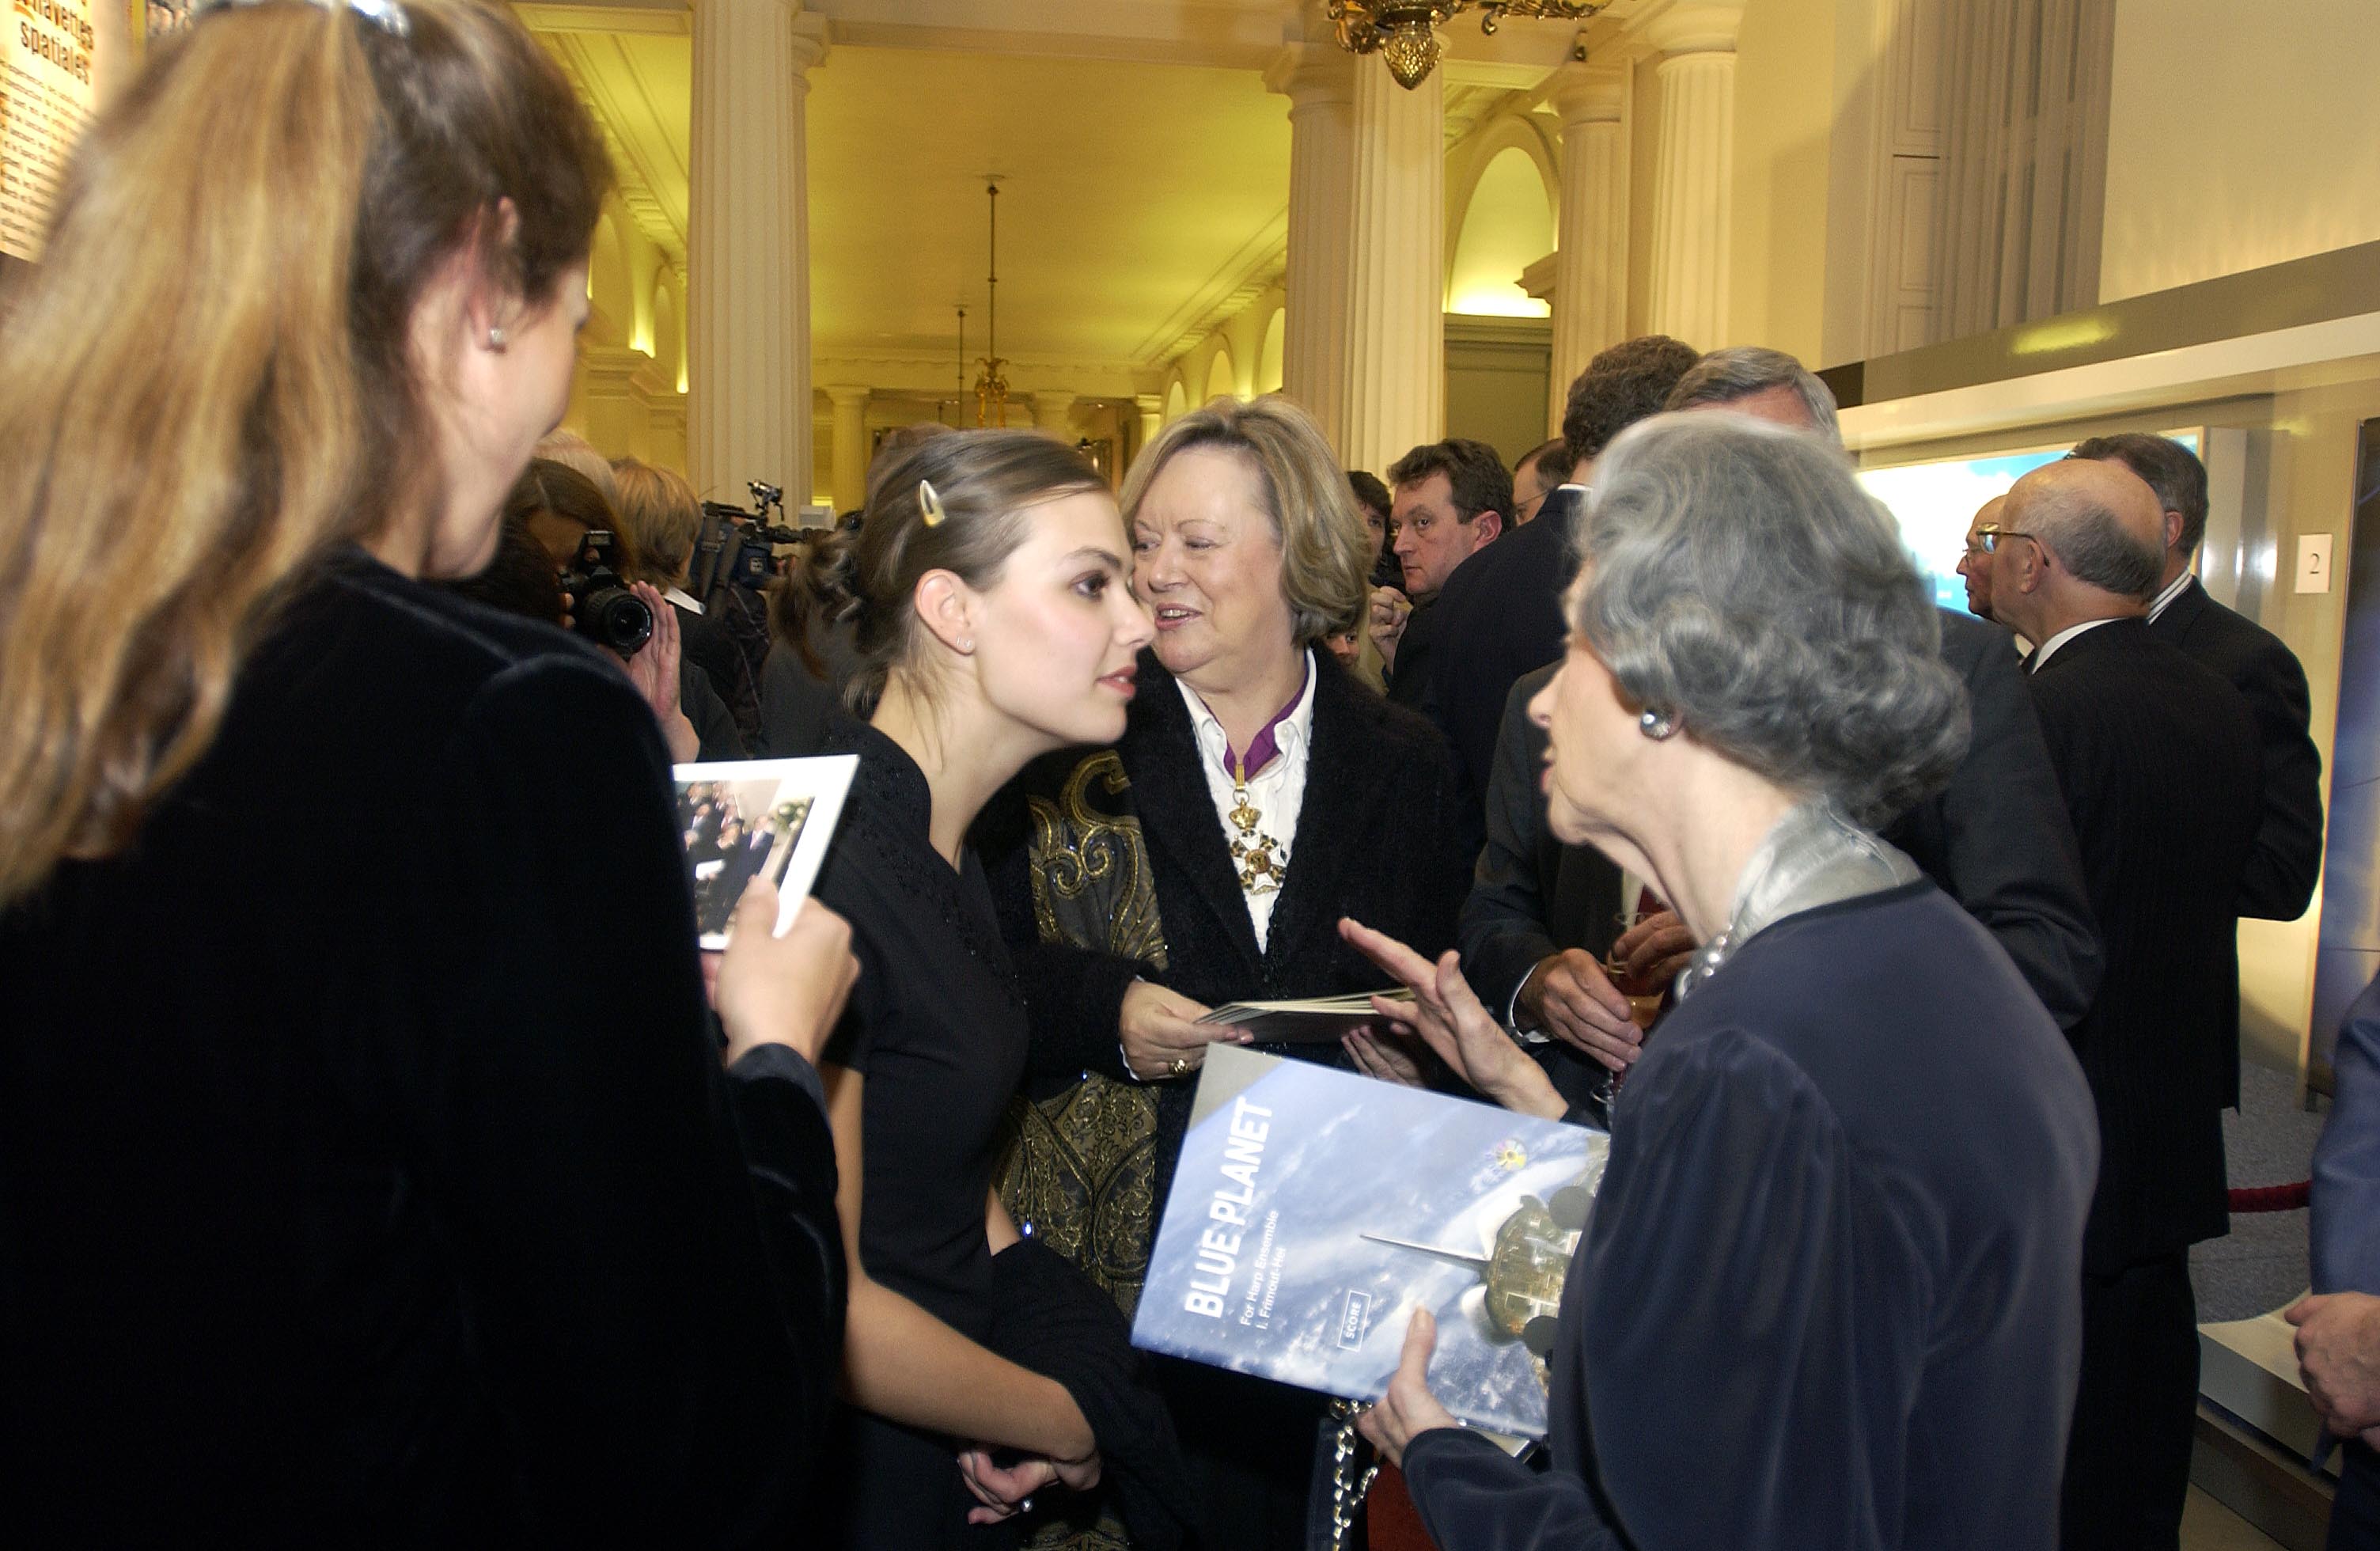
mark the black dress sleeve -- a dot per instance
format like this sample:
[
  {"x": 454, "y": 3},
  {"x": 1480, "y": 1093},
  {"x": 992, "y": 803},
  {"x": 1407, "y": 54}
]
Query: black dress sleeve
[{"x": 645, "y": 1246}]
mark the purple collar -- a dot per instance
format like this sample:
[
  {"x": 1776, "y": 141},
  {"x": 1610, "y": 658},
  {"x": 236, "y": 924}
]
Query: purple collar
[{"x": 1265, "y": 745}]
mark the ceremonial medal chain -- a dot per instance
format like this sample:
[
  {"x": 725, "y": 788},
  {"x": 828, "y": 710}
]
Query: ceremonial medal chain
[{"x": 1256, "y": 854}]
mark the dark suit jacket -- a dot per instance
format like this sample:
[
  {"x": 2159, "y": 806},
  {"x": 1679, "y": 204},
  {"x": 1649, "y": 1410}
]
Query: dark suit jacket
[
  {"x": 2278, "y": 884},
  {"x": 1408, "y": 682},
  {"x": 2125, "y": 715},
  {"x": 1996, "y": 839},
  {"x": 1372, "y": 842},
  {"x": 1499, "y": 616}
]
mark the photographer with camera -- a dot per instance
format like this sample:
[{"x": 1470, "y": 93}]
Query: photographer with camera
[
  {"x": 568, "y": 516},
  {"x": 660, "y": 515}
]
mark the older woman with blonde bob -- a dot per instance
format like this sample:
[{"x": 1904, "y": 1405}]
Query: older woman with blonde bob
[
  {"x": 1838, "y": 1242},
  {"x": 1258, "y": 794}
]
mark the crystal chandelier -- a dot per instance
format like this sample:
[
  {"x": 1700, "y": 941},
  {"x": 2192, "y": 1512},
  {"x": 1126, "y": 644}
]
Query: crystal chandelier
[{"x": 1406, "y": 31}]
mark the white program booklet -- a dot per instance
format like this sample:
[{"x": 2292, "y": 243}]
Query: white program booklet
[{"x": 746, "y": 819}]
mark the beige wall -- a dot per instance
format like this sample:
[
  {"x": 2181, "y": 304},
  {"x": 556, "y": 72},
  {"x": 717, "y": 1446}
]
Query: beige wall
[
  {"x": 1788, "y": 101},
  {"x": 2238, "y": 137}
]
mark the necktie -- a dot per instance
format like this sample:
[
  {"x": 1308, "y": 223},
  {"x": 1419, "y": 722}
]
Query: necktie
[{"x": 2032, "y": 660}]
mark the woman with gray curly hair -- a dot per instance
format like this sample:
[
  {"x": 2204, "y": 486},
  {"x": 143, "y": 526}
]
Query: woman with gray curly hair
[{"x": 1838, "y": 1246}]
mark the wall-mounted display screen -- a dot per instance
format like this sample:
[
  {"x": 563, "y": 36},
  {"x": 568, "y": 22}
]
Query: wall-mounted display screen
[{"x": 1934, "y": 503}]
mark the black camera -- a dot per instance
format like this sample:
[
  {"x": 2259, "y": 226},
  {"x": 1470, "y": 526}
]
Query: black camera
[{"x": 602, "y": 607}]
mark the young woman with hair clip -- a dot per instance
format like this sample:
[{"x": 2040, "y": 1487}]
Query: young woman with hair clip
[
  {"x": 357, "y": 1185},
  {"x": 994, "y": 621}
]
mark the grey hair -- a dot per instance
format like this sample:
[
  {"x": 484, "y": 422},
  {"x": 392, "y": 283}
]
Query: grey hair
[
  {"x": 1741, "y": 370},
  {"x": 1736, "y": 578},
  {"x": 2090, "y": 541}
]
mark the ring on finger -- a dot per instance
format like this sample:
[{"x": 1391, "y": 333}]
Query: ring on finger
[{"x": 1181, "y": 1066}]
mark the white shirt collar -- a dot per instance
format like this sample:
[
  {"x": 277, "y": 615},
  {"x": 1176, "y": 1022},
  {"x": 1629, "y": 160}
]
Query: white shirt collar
[
  {"x": 2173, "y": 589},
  {"x": 1291, "y": 736},
  {"x": 679, "y": 597},
  {"x": 2049, "y": 647}
]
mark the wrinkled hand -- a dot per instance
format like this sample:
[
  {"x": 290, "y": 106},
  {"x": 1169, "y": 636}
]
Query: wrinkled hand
[
  {"x": 1408, "y": 1409},
  {"x": 1568, "y": 996},
  {"x": 1158, "y": 1028},
  {"x": 2338, "y": 1353},
  {"x": 781, "y": 990},
  {"x": 1446, "y": 1014},
  {"x": 1387, "y": 1055},
  {"x": 1658, "y": 947},
  {"x": 1391, "y": 609},
  {"x": 1003, "y": 1491}
]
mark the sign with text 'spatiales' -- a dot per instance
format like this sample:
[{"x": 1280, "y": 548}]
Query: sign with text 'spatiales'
[{"x": 60, "y": 58}]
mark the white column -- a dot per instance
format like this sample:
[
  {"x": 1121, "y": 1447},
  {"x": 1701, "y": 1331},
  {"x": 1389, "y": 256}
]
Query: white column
[
  {"x": 1693, "y": 191},
  {"x": 850, "y": 470},
  {"x": 1149, "y": 409},
  {"x": 1320, "y": 80},
  {"x": 1396, "y": 283},
  {"x": 1590, "y": 285},
  {"x": 1053, "y": 411},
  {"x": 749, "y": 285}
]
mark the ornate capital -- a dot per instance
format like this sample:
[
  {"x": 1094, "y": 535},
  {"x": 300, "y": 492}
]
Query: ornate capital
[
  {"x": 1587, "y": 94},
  {"x": 1308, "y": 73},
  {"x": 1691, "y": 26}
]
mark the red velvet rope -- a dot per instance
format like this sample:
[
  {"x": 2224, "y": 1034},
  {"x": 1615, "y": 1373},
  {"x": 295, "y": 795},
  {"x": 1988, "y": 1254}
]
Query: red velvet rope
[{"x": 2272, "y": 1198}]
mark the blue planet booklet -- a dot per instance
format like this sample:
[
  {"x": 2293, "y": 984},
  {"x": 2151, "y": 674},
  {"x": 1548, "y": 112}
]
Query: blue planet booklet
[{"x": 1313, "y": 1209}]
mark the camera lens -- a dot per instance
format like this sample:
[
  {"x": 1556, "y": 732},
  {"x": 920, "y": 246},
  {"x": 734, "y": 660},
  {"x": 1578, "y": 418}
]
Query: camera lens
[{"x": 619, "y": 619}]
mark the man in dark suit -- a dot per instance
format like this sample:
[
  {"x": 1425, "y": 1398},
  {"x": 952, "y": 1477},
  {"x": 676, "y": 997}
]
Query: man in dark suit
[
  {"x": 1452, "y": 500},
  {"x": 2073, "y": 566},
  {"x": 2279, "y": 884},
  {"x": 1499, "y": 615}
]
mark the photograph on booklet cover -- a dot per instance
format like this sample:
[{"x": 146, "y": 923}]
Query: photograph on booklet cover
[
  {"x": 742, "y": 819},
  {"x": 1314, "y": 1210}
]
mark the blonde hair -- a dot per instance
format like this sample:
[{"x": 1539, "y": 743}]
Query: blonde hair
[
  {"x": 661, "y": 516},
  {"x": 1326, "y": 552},
  {"x": 574, "y": 451},
  {"x": 211, "y": 380}
]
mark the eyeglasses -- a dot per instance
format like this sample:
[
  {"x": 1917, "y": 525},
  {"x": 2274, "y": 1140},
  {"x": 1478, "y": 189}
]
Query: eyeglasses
[{"x": 1988, "y": 537}]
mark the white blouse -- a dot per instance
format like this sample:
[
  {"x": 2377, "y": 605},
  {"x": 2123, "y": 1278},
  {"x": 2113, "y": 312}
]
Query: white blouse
[{"x": 1275, "y": 793}]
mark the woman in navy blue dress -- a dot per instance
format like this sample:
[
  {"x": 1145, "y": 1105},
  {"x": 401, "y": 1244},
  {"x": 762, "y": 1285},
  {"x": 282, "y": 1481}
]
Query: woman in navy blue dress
[{"x": 1831, "y": 1291}]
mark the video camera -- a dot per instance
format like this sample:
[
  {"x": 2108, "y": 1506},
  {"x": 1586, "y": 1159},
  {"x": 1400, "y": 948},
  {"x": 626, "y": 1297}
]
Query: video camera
[
  {"x": 602, "y": 607},
  {"x": 736, "y": 547}
]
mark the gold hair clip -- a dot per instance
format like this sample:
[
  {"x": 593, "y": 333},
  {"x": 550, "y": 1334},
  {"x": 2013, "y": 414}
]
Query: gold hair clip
[{"x": 930, "y": 503}]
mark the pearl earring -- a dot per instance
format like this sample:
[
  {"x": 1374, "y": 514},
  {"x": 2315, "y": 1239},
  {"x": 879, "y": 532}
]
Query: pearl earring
[
  {"x": 1655, "y": 725},
  {"x": 968, "y": 644},
  {"x": 495, "y": 338}
]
